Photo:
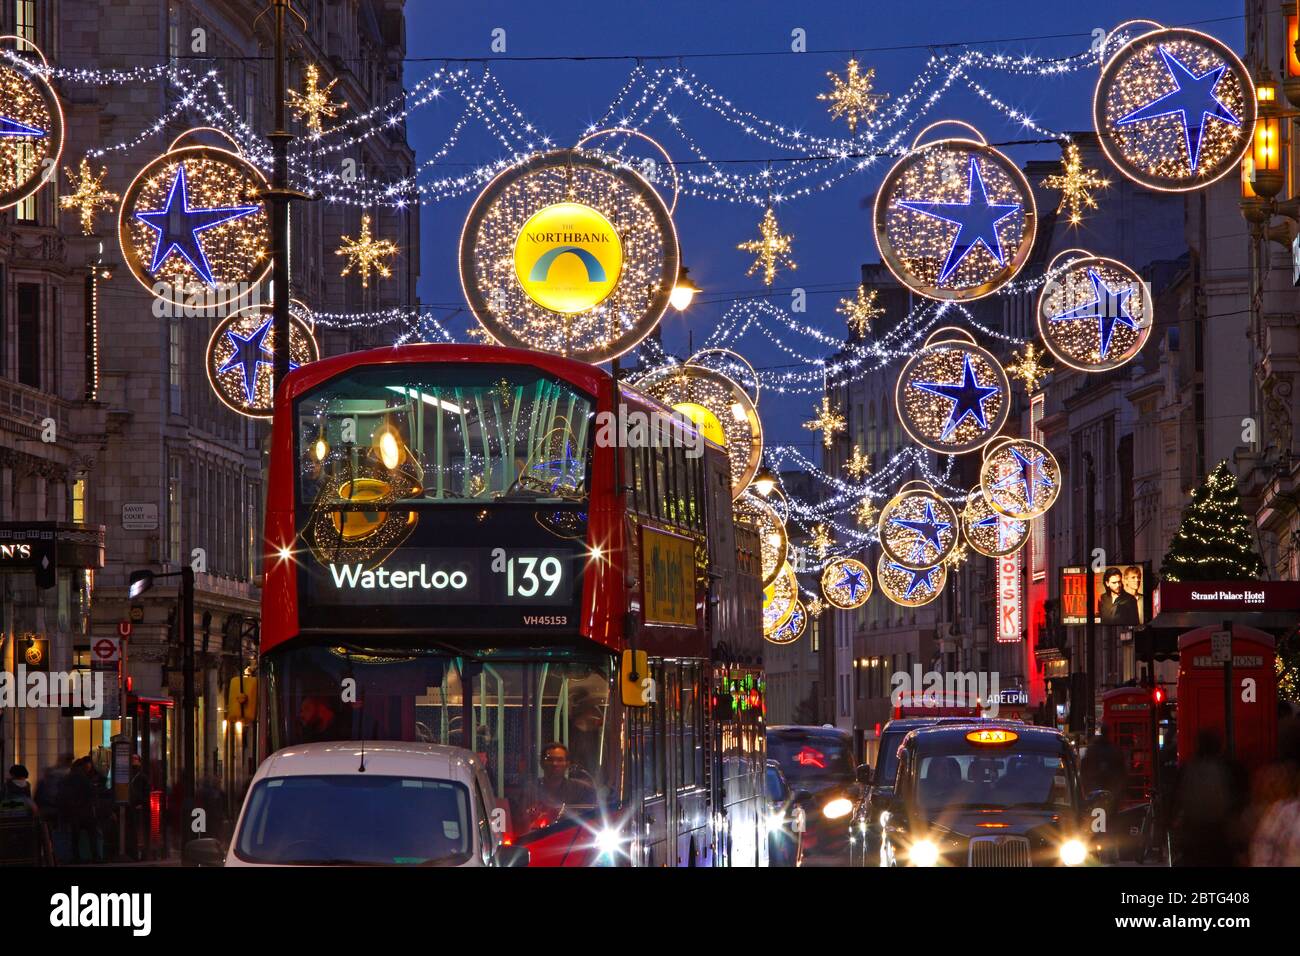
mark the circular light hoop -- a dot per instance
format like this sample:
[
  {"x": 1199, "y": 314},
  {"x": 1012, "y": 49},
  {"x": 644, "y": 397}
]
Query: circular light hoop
[
  {"x": 779, "y": 599},
  {"x": 1155, "y": 148},
  {"x": 1096, "y": 315},
  {"x": 910, "y": 587},
  {"x": 235, "y": 251},
  {"x": 918, "y": 220},
  {"x": 1020, "y": 478},
  {"x": 722, "y": 396},
  {"x": 242, "y": 331},
  {"x": 194, "y": 131},
  {"x": 989, "y": 533},
  {"x": 668, "y": 160},
  {"x": 30, "y": 157},
  {"x": 793, "y": 628},
  {"x": 979, "y": 137},
  {"x": 952, "y": 396},
  {"x": 773, "y": 542},
  {"x": 846, "y": 583},
  {"x": 917, "y": 528},
  {"x": 512, "y": 315}
]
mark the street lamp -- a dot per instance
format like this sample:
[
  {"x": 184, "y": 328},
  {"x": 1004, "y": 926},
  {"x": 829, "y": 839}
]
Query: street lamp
[
  {"x": 764, "y": 483},
  {"x": 683, "y": 291}
]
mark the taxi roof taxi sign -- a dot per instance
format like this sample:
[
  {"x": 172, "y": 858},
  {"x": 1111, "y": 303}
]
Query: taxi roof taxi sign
[{"x": 993, "y": 737}]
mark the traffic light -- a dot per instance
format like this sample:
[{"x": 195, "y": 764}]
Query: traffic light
[{"x": 1158, "y": 695}]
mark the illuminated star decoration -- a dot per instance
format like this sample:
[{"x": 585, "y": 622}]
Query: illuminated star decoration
[
  {"x": 1192, "y": 101},
  {"x": 967, "y": 396},
  {"x": 251, "y": 352},
  {"x": 927, "y": 530},
  {"x": 178, "y": 225},
  {"x": 88, "y": 195},
  {"x": 1008, "y": 529},
  {"x": 1028, "y": 368},
  {"x": 771, "y": 248},
  {"x": 814, "y": 607},
  {"x": 852, "y": 580},
  {"x": 1029, "y": 474},
  {"x": 1075, "y": 185},
  {"x": 859, "y": 312},
  {"x": 851, "y": 97},
  {"x": 314, "y": 102},
  {"x": 821, "y": 541},
  {"x": 367, "y": 254},
  {"x": 858, "y": 464},
  {"x": 866, "y": 513},
  {"x": 977, "y": 219},
  {"x": 956, "y": 557},
  {"x": 1107, "y": 307},
  {"x": 919, "y": 576},
  {"x": 828, "y": 422}
]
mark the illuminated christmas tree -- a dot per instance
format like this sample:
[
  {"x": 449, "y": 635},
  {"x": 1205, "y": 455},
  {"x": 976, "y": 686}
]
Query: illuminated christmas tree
[{"x": 1215, "y": 541}]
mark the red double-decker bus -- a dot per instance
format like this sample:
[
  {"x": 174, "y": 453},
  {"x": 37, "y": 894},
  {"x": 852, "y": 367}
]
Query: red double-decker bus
[{"x": 462, "y": 542}]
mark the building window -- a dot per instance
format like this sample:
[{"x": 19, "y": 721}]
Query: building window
[
  {"x": 79, "y": 500},
  {"x": 25, "y": 211},
  {"x": 29, "y": 334},
  {"x": 174, "y": 513},
  {"x": 175, "y": 365},
  {"x": 173, "y": 33},
  {"x": 250, "y": 98}
]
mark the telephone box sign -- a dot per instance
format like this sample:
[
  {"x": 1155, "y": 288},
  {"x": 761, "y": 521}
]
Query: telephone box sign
[{"x": 1010, "y": 600}]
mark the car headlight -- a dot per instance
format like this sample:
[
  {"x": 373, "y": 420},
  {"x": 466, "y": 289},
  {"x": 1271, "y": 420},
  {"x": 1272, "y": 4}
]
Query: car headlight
[
  {"x": 837, "y": 807},
  {"x": 923, "y": 853},
  {"x": 776, "y": 820},
  {"x": 1073, "y": 852}
]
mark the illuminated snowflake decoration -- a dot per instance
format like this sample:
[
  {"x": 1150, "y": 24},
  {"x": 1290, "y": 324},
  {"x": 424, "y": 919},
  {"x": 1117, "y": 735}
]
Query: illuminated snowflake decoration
[
  {"x": 858, "y": 465},
  {"x": 650, "y": 257},
  {"x": 1175, "y": 109},
  {"x": 793, "y": 628},
  {"x": 910, "y": 587},
  {"x": 957, "y": 556},
  {"x": 828, "y": 421},
  {"x": 772, "y": 539},
  {"x": 1028, "y": 368},
  {"x": 955, "y": 220},
  {"x": 952, "y": 396},
  {"x": 1076, "y": 185},
  {"x": 241, "y": 357},
  {"x": 846, "y": 583},
  {"x": 31, "y": 131},
  {"x": 852, "y": 97},
  {"x": 771, "y": 249},
  {"x": 859, "y": 312},
  {"x": 193, "y": 225},
  {"x": 821, "y": 540},
  {"x": 815, "y": 607},
  {"x": 1020, "y": 478},
  {"x": 991, "y": 534},
  {"x": 1095, "y": 315},
  {"x": 314, "y": 104},
  {"x": 366, "y": 254},
  {"x": 918, "y": 528},
  {"x": 88, "y": 195},
  {"x": 779, "y": 599},
  {"x": 866, "y": 513}
]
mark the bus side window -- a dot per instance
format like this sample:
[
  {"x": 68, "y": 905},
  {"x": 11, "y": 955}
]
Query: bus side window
[
  {"x": 660, "y": 493},
  {"x": 639, "y": 460},
  {"x": 690, "y": 676}
]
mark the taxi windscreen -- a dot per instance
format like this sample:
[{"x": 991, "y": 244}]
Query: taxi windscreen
[{"x": 966, "y": 777}]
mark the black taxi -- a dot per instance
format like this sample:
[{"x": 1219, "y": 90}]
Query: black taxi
[{"x": 987, "y": 794}]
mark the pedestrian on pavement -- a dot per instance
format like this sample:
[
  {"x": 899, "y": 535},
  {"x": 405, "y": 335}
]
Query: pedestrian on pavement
[
  {"x": 78, "y": 807},
  {"x": 1209, "y": 805},
  {"x": 23, "y": 838},
  {"x": 1103, "y": 769},
  {"x": 1276, "y": 839}
]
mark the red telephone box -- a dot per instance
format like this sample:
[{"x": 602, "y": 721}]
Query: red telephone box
[
  {"x": 1127, "y": 712},
  {"x": 1200, "y": 694}
]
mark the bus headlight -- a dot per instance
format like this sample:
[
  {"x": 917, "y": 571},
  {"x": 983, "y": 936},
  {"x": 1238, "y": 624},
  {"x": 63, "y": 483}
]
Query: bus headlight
[
  {"x": 609, "y": 842},
  {"x": 1073, "y": 852},
  {"x": 923, "y": 853},
  {"x": 837, "y": 807}
]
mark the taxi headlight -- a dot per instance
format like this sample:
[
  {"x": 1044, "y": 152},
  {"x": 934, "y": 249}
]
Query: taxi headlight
[
  {"x": 837, "y": 807},
  {"x": 776, "y": 820},
  {"x": 608, "y": 842},
  {"x": 923, "y": 853},
  {"x": 1073, "y": 852}
]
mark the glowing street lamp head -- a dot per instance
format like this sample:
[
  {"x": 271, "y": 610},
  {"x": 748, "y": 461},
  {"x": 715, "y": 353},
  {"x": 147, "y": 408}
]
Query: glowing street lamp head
[{"x": 683, "y": 291}]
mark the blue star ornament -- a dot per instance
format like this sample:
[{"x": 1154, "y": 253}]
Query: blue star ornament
[
  {"x": 251, "y": 351},
  {"x": 11, "y": 127},
  {"x": 928, "y": 529},
  {"x": 1008, "y": 529},
  {"x": 967, "y": 396},
  {"x": 178, "y": 225},
  {"x": 852, "y": 580},
  {"x": 1028, "y": 473},
  {"x": 1108, "y": 307},
  {"x": 977, "y": 219},
  {"x": 918, "y": 577},
  {"x": 1191, "y": 101}
]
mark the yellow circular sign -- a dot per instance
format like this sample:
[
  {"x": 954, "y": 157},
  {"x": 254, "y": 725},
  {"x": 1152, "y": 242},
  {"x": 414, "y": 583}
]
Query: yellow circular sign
[
  {"x": 568, "y": 257},
  {"x": 704, "y": 420}
]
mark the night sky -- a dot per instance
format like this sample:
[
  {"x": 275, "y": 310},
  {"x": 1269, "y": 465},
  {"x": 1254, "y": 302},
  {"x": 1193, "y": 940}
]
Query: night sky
[{"x": 832, "y": 230}]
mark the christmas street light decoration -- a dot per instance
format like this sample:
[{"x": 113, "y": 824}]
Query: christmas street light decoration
[
  {"x": 910, "y": 587},
  {"x": 88, "y": 195},
  {"x": 1076, "y": 185},
  {"x": 779, "y": 599},
  {"x": 1096, "y": 314},
  {"x": 957, "y": 556},
  {"x": 821, "y": 540},
  {"x": 992, "y": 534},
  {"x": 852, "y": 97},
  {"x": 1028, "y": 369},
  {"x": 31, "y": 127},
  {"x": 193, "y": 225},
  {"x": 865, "y": 514},
  {"x": 917, "y": 527},
  {"x": 828, "y": 421},
  {"x": 771, "y": 249},
  {"x": 1174, "y": 109},
  {"x": 846, "y": 583},
  {"x": 793, "y": 628},
  {"x": 859, "y": 312},
  {"x": 366, "y": 254},
  {"x": 240, "y": 356},
  {"x": 314, "y": 104},
  {"x": 952, "y": 396},
  {"x": 1019, "y": 478},
  {"x": 773, "y": 543},
  {"x": 954, "y": 218},
  {"x": 858, "y": 465},
  {"x": 814, "y": 607},
  {"x": 569, "y": 252}
]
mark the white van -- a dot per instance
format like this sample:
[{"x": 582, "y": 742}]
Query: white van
[{"x": 383, "y": 803}]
